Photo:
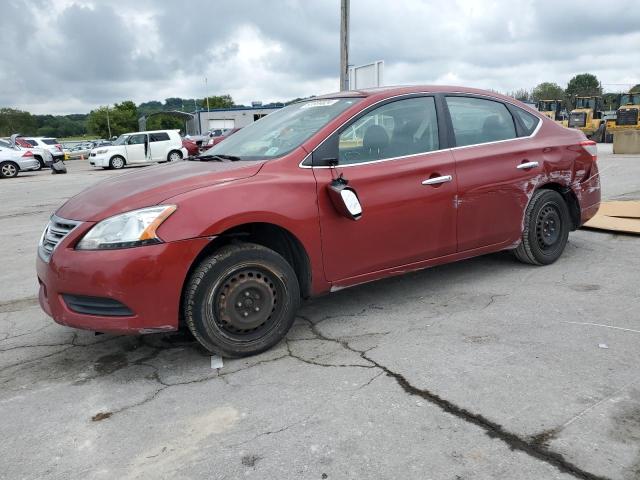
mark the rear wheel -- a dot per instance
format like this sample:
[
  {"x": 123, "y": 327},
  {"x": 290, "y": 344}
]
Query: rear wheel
[
  {"x": 174, "y": 156},
  {"x": 116, "y": 162},
  {"x": 9, "y": 169},
  {"x": 546, "y": 229},
  {"x": 40, "y": 163},
  {"x": 241, "y": 300}
]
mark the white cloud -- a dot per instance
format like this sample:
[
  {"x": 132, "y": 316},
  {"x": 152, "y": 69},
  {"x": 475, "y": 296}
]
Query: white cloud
[{"x": 80, "y": 54}]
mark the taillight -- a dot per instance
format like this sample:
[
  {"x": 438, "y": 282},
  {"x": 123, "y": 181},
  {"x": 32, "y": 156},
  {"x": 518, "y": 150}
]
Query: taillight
[
  {"x": 28, "y": 153},
  {"x": 591, "y": 147},
  {"x": 59, "y": 147}
]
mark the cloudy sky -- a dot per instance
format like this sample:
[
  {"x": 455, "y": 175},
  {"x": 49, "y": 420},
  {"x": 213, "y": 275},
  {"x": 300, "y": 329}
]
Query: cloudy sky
[{"x": 66, "y": 56}]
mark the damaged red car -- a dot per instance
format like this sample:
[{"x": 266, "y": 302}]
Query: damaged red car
[{"x": 321, "y": 195}]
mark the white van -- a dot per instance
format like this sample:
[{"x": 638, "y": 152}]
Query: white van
[{"x": 139, "y": 148}]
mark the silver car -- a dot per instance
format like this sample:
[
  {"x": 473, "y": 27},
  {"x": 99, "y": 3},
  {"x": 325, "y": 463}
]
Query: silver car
[{"x": 13, "y": 160}]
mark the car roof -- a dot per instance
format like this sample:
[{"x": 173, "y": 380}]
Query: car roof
[
  {"x": 151, "y": 131},
  {"x": 394, "y": 90}
]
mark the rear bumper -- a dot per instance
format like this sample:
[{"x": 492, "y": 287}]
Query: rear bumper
[
  {"x": 147, "y": 280},
  {"x": 588, "y": 195}
]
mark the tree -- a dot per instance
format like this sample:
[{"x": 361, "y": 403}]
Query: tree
[
  {"x": 548, "y": 91},
  {"x": 219, "y": 101},
  {"x": 635, "y": 89},
  {"x": 164, "y": 121},
  {"x": 16, "y": 121},
  {"x": 521, "y": 94},
  {"x": 583, "y": 85},
  {"x": 122, "y": 118}
]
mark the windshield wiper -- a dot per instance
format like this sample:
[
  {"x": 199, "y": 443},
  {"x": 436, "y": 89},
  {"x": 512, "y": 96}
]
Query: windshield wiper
[{"x": 218, "y": 158}]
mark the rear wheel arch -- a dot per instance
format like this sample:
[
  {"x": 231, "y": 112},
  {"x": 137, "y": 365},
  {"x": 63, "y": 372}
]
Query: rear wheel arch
[{"x": 570, "y": 198}]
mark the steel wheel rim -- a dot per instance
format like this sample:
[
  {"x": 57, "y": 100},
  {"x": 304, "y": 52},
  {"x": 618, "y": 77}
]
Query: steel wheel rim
[
  {"x": 9, "y": 170},
  {"x": 548, "y": 227},
  {"x": 117, "y": 163},
  {"x": 247, "y": 303}
]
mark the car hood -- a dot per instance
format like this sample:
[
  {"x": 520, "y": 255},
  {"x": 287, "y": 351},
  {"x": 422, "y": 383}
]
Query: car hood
[{"x": 150, "y": 186}]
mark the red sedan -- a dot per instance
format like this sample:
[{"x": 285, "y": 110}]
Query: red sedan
[{"x": 319, "y": 196}]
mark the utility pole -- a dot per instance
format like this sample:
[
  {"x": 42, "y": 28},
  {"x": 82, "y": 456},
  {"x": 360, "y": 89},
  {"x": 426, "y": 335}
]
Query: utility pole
[
  {"x": 206, "y": 87},
  {"x": 108, "y": 123},
  {"x": 344, "y": 45}
]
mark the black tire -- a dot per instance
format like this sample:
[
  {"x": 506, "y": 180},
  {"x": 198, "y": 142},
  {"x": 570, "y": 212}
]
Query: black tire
[
  {"x": 117, "y": 162},
  {"x": 9, "y": 169},
  {"x": 241, "y": 300},
  {"x": 40, "y": 162},
  {"x": 174, "y": 156},
  {"x": 546, "y": 229}
]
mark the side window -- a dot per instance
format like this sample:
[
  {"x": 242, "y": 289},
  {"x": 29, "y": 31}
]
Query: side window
[
  {"x": 396, "y": 129},
  {"x": 476, "y": 120},
  {"x": 529, "y": 122},
  {"x": 158, "y": 137},
  {"x": 137, "y": 139}
]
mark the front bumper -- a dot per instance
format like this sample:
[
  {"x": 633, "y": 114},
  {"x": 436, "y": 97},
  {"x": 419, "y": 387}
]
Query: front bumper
[
  {"x": 99, "y": 160},
  {"x": 32, "y": 164},
  {"x": 147, "y": 280}
]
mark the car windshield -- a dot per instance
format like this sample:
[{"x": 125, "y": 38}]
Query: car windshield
[
  {"x": 282, "y": 131},
  {"x": 121, "y": 140}
]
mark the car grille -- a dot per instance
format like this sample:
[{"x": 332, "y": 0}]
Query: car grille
[
  {"x": 627, "y": 116},
  {"x": 56, "y": 230},
  {"x": 578, "y": 119}
]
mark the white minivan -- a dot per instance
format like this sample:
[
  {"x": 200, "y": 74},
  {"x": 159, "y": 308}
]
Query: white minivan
[{"x": 139, "y": 148}]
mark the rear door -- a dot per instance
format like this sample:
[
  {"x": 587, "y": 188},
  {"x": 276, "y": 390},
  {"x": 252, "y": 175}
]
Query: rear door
[
  {"x": 496, "y": 166},
  {"x": 159, "y": 146},
  {"x": 405, "y": 182},
  {"x": 137, "y": 148}
]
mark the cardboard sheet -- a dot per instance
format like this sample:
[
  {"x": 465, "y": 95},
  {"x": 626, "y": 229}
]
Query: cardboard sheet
[{"x": 618, "y": 216}]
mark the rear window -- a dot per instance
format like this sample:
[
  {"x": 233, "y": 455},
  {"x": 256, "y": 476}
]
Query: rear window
[
  {"x": 476, "y": 120},
  {"x": 33, "y": 143},
  {"x": 529, "y": 121},
  {"x": 159, "y": 137},
  {"x": 50, "y": 141}
]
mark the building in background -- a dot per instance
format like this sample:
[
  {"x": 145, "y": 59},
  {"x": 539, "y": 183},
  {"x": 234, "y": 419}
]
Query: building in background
[{"x": 235, "y": 117}]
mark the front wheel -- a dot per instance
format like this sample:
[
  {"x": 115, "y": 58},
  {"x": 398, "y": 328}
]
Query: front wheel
[
  {"x": 116, "y": 163},
  {"x": 241, "y": 300},
  {"x": 546, "y": 229}
]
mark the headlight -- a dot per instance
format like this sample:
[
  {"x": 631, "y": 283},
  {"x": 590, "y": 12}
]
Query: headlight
[
  {"x": 102, "y": 150},
  {"x": 131, "y": 229}
]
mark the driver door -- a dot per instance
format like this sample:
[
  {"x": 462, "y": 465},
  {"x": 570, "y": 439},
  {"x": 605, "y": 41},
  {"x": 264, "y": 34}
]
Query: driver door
[
  {"x": 405, "y": 184},
  {"x": 137, "y": 148}
]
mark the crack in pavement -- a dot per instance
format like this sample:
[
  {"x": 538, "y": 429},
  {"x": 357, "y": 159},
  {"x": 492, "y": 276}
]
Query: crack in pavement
[
  {"x": 535, "y": 447},
  {"x": 270, "y": 432}
]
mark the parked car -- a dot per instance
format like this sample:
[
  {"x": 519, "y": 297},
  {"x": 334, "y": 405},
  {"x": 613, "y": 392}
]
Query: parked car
[
  {"x": 319, "y": 196},
  {"x": 43, "y": 155},
  {"x": 191, "y": 146},
  {"x": 219, "y": 138},
  {"x": 14, "y": 160},
  {"x": 45, "y": 143},
  {"x": 140, "y": 148}
]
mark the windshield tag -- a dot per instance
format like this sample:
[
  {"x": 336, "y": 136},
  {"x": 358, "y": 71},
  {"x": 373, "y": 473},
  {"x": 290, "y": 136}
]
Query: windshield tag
[{"x": 320, "y": 103}]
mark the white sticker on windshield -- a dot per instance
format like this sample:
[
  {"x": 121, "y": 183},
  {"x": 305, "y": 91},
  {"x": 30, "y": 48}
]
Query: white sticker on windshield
[
  {"x": 272, "y": 151},
  {"x": 320, "y": 103}
]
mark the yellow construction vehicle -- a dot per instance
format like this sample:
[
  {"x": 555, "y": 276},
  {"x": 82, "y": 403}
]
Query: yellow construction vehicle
[
  {"x": 587, "y": 116},
  {"x": 627, "y": 117},
  {"x": 551, "y": 109}
]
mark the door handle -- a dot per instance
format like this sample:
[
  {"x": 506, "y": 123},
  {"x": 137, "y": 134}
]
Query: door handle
[
  {"x": 527, "y": 165},
  {"x": 437, "y": 180}
]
